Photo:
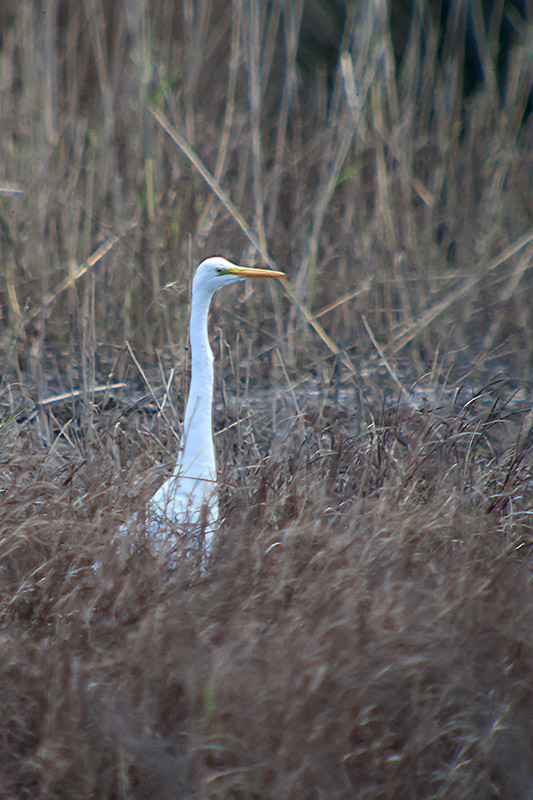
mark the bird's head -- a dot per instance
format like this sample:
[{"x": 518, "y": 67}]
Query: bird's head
[{"x": 213, "y": 273}]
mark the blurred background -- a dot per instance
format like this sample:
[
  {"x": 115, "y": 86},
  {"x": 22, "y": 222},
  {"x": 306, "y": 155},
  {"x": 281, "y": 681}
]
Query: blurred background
[{"x": 380, "y": 153}]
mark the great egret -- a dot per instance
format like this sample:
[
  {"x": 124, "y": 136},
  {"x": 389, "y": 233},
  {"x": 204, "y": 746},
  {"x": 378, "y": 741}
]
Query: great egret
[{"x": 189, "y": 496}]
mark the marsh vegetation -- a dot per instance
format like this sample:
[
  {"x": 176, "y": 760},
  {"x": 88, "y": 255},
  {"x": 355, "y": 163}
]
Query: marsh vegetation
[{"x": 363, "y": 627}]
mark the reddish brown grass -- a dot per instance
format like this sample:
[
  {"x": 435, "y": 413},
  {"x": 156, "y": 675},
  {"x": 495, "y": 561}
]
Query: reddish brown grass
[{"x": 363, "y": 627}]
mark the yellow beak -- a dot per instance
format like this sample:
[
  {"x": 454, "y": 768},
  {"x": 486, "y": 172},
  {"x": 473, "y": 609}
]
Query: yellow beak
[{"x": 252, "y": 272}]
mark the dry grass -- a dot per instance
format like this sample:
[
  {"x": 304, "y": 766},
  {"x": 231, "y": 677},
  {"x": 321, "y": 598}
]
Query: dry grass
[{"x": 363, "y": 628}]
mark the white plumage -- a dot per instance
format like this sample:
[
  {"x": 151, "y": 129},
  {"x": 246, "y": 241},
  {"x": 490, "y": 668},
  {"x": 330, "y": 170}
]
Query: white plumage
[{"x": 189, "y": 496}]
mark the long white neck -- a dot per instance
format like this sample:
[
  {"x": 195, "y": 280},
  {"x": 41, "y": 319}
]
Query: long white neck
[{"x": 197, "y": 438}]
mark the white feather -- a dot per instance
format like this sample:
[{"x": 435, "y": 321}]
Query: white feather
[{"x": 189, "y": 497}]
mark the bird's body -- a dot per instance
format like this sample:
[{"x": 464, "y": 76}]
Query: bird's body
[{"x": 189, "y": 496}]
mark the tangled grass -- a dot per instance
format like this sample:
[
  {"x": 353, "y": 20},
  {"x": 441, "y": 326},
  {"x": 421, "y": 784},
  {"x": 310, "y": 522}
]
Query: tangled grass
[{"x": 362, "y": 628}]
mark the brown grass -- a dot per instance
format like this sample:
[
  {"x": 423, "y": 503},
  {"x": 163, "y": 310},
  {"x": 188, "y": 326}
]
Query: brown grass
[{"x": 363, "y": 628}]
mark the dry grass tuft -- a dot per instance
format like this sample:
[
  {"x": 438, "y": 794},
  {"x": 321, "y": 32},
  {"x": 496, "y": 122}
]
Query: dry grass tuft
[{"x": 363, "y": 625}]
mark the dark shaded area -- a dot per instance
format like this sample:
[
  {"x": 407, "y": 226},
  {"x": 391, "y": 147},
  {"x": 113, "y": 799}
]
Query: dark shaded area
[{"x": 478, "y": 35}]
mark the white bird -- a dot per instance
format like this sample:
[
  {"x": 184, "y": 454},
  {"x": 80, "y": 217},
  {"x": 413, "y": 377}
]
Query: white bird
[{"x": 189, "y": 496}]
